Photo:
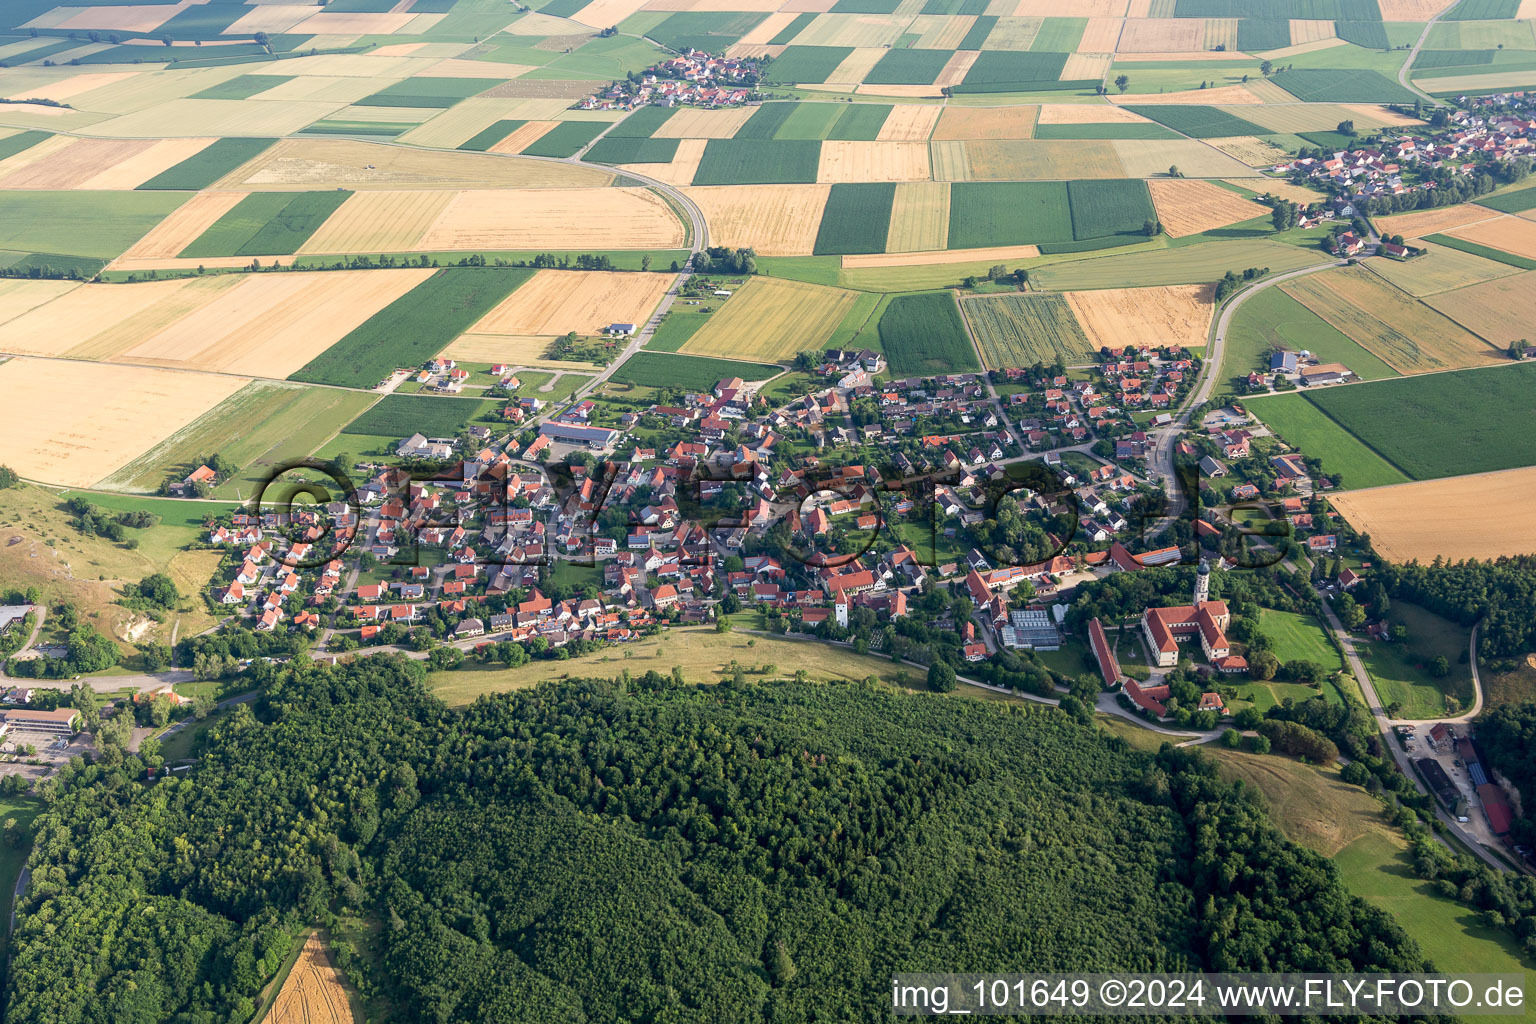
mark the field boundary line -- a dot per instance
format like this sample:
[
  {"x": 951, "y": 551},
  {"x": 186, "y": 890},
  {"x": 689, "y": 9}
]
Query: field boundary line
[{"x": 1372, "y": 448}]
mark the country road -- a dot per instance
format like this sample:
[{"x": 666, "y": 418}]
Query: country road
[{"x": 1413, "y": 55}]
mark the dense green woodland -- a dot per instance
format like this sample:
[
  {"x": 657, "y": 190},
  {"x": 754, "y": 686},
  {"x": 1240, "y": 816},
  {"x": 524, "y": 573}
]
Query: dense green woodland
[{"x": 644, "y": 850}]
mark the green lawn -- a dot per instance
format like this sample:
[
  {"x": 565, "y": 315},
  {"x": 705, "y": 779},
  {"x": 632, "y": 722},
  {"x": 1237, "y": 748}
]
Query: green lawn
[
  {"x": 1298, "y": 638},
  {"x": 1400, "y": 670},
  {"x": 1378, "y": 870}
]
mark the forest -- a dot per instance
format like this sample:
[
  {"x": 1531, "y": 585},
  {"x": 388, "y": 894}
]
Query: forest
[
  {"x": 1495, "y": 596},
  {"x": 643, "y": 849}
]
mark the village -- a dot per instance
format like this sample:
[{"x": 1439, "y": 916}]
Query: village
[{"x": 694, "y": 78}]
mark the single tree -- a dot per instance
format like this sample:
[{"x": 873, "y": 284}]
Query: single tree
[{"x": 1122, "y": 82}]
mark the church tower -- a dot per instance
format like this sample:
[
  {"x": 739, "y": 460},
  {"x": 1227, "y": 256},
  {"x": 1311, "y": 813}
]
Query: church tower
[{"x": 1202, "y": 583}]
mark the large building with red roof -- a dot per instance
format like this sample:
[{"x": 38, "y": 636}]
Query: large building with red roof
[{"x": 1206, "y": 619}]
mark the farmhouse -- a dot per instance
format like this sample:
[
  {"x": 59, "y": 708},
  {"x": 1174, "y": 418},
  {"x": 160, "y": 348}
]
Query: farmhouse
[
  {"x": 1207, "y": 619},
  {"x": 1326, "y": 373},
  {"x": 570, "y": 433}
]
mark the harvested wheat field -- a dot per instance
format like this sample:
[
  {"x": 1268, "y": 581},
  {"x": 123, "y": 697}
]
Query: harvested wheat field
[
  {"x": 698, "y": 123},
  {"x": 1414, "y": 10},
  {"x": 254, "y": 119},
  {"x": 65, "y": 89},
  {"x": 75, "y": 428},
  {"x": 1077, "y": 9},
  {"x": 909, "y": 122},
  {"x": 184, "y": 226},
  {"x": 1482, "y": 516},
  {"x": 280, "y": 18},
  {"x": 1511, "y": 234},
  {"x": 603, "y": 13},
  {"x": 1149, "y": 158},
  {"x": 345, "y": 163},
  {"x": 1310, "y": 30},
  {"x": 1375, "y": 114},
  {"x": 135, "y": 18},
  {"x": 1101, "y": 36},
  {"x": 1429, "y": 222},
  {"x": 349, "y": 24},
  {"x": 939, "y": 31},
  {"x": 1251, "y": 150},
  {"x": 1172, "y": 314},
  {"x": 919, "y": 217},
  {"x": 313, "y": 992},
  {"x": 379, "y": 222},
  {"x": 70, "y": 165},
  {"x": 19, "y": 295},
  {"x": 1500, "y": 310},
  {"x": 1084, "y": 66},
  {"x": 776, "y": 220},
  {"x": 270, "y": 325},
  {"x": 1281, "y": 190},
  {"x": 1155, "y": 35},
  {"x": 678, "y": 171},
  {"x": 1188, "y": 206},
  {"x": 60, "y": 327},
  {"x": 954, "y": 72},
  {"x": 959, "y": 124},
  {"x": 856, "y": 30},
  {"x": 135, "y": 170},
  {"x": 771, "y": 320},
  {"x": 568, "y": 218},
  {"x": 763, "y": 32},
  {"x": 558, "y": 301},
  {"x": 1403, "y": 332},
  {"x": 1039, "y": 159},
  {"x": 872, "y": 161},
  {"x": 856, "y": 65},
  {"x": 524, "y": 136},
  {"x": 1000, "y": 254},
  {"x": 1221, "y": 95},
  {"x": 512, "y": 349},
  {"x": 1443, "y": 269},
  {"x": 1088, "y": 113}
]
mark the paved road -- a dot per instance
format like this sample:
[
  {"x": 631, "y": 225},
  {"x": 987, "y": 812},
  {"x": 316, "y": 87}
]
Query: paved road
[
  {"x": 37, "y": 628},
  {"x": 1413, "y": 55},
  {"x": 1160, "y": 462}
]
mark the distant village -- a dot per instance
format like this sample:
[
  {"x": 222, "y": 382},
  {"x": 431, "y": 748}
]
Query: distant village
[{"x": 695, "y": 78}]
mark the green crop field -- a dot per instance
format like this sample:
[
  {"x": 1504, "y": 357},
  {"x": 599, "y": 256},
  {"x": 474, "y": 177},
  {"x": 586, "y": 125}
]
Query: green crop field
[
  {"x": 1303, "y": 426},
  {"x": 630, "y": 150},
  {"x": 13, "y": 144},
  {"x": 1510, "y": 202},
  {"x": 1371, "y": 34},
  {"x": 413, "y": 328},
  {"x": 662, "y": 370},
  {"x": 1059, "y": 34},
  {"x": 1014, "y": 71},
  {"x": 1131, "y": 130},
  {"x": 677, "y": 326},
  {"x": 788, "y": 32},
  {"x": 856, "y": 219},
  {"x": 1341, "y": 85},
  {"x": 983, "y": 213},
  {"x": 808, "y": 64},
  {"x": 1442, "y": 424},
  {"x": 293, "y": 224},
  {"x": 1255, "y": 34},
  {"x": 908, "y": 67},
  {"x": 1154, "y": 264},
  {"x": 565, "y": 139},
  {"x": 758, "y": 162},
  {"x": 1270, "y": 319},
  {"x": 242, "y": 87},
  {"x": 924, "y": 334},
  {"x": 1109, "y": 207},
  {"x": 809, "y": 121},
  {"x": 860, "y": 122},
  {"x": 1198, "y": 122},
  {"x": 205, "y": 168},
  {"x": 78, "y": 223},
  {"x": 642, "y": 124},
  {"x": 704, "y": 30},
  {"x": 1295, "y": 637},
  {"x": 428, "y": 92},
  {"x": 977, "y": 34},
  {"x": 229, "y": 233},
  {"x": 1401, "y": 670},
  {"x": 207, "y": 22},
  {"x": 1487, "y": 252},
  {"x": 1483, "y": 10},
  {"x": 432, "y": 415},
  {"x": 1024, "y": 329},
  {"x": 765, "y": 122},
  {"x": 262, "y": 424},
  {"x": 488, "y": 137}
]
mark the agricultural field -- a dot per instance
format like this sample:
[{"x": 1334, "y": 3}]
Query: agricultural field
[
  {"x": 1405, "y": 333},
  {"x": 101, "y": 224},
  {"x": 1155, "y": 264},
  {"x": 1499, "y": 311},
  {"x": 555, "y": 302},
  {"x": 401, "y": 416},
  {"x": 357, "y": 165},
  {"x": 1483, "y": 516},
  {"x": 1189, "y": 206},
  {"x": 750, "y": 161},
  {"x": 313, "y": 992},
  {"x": 772, "y": 320},
  {"x": 775, "y": 220},
  {"x": 1024, "y": 329},
  {"x": 413, "y": 328},
  {"x": 1482, "y": 420},
  {"x": 1198, "y": 122},
  {"x": 1441, "y": 270},
  {"x": 557, "y": 219},
  {"x": 924, "y": 334},
  {"x": 857, "y": 219},
  {"x": 983, "y": 214},
  {"x": 1509, "y": 234},
  {"x": 695, "y": 373},
  {"x": 1305, "y": 427},
  {"x": 103, "y": 419},
  {"x": 259, "y": 426},
  {"x": 1270, "y": 320},
  {"x": 1174, "y": 314},
  {"x": 919, "y": 217}
]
